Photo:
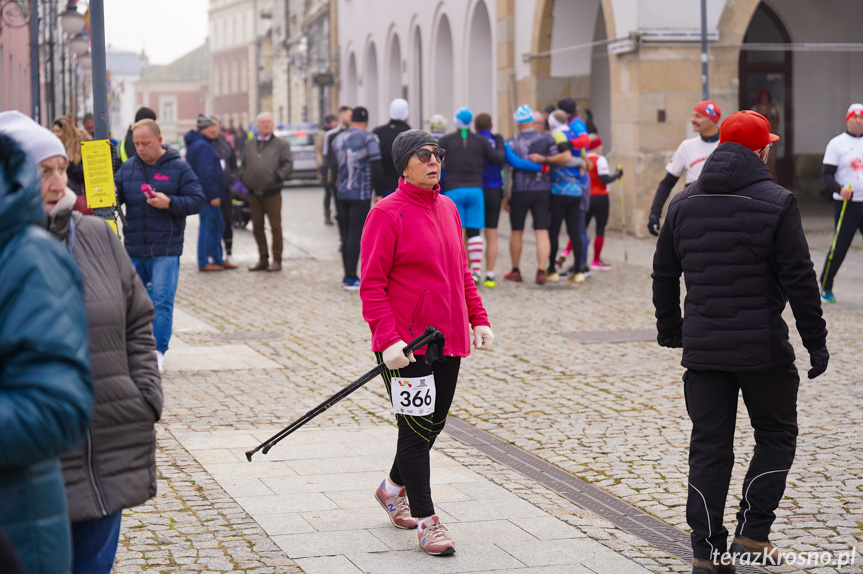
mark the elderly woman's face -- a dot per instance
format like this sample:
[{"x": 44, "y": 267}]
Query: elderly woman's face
[
  {"x": 54, "y": 180},
  {"x": 423, "y": 174}
]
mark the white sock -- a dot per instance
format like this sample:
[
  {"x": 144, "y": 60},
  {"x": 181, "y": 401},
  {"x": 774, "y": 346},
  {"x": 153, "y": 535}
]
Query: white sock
[
  {"x": 489, "y": 275},
  {"x": 420, "y": 521},
  {"x": 391, "y": 489},
  {"x": 474, "y": 253}
]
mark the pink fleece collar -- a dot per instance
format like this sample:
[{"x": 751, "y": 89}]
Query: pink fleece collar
[{"x": 416, "y": 192}]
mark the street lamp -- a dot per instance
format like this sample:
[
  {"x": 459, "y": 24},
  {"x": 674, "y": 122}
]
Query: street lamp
[
  {"x": 79, "y": 44},
  {"x": 85, "y": 61},
  {"x": 71, "y": 20}
]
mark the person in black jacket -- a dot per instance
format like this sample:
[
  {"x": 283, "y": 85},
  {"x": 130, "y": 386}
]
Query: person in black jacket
[
  {"x": 465, "y": 165},
  {"x": 387, "y": 135},
  {"x": 736, "y": 237}
]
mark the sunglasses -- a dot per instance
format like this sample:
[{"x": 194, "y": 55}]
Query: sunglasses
[{"x": 424, "y": 155}]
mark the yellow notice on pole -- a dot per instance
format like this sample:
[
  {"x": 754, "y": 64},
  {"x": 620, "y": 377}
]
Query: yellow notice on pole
[{"x": 98, "y": 173}]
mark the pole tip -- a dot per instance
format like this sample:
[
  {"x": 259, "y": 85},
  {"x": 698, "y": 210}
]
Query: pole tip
[{"x": 249, "y": 454}]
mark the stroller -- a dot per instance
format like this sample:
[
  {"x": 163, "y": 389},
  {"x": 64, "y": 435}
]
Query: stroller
[{"x": 241, "y": 212}]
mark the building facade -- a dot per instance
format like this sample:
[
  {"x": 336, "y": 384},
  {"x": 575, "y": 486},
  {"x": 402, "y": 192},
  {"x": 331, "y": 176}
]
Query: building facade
[
  {"x": 177, "y": 92},
  {"x": 303, "y": 60},
  {"x": 238, "y": 62},
  {"x": 636, "y": 64},
  {"x": 15, "y": 58},
  {"x": 124, "y": 70}
]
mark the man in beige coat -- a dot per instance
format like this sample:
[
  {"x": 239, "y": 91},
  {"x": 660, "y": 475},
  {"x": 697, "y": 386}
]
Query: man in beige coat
[{"x": 267, "y": 163}]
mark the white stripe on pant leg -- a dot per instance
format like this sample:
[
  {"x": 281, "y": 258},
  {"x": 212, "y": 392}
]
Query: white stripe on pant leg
[
  {"x": 746, "y": 495},
  {"x": 709, "y": 529}
]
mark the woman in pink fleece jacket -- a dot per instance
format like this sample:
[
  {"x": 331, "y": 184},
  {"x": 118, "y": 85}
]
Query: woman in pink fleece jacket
[{"x": 415, "y": 274}]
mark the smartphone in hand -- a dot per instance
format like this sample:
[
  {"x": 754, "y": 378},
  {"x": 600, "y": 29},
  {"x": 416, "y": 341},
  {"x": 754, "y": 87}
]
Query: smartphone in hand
[{"x": 147, "y": 190}]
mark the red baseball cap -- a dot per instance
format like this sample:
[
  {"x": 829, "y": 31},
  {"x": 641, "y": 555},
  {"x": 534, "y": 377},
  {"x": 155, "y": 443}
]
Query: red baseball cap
[
  {"x": 748, "y": 128},
  {"x": 709, "y": 109}
]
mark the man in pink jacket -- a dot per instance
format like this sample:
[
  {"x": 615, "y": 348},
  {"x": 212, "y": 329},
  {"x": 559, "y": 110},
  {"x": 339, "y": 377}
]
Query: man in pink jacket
[{"x": 415, "y": 274}]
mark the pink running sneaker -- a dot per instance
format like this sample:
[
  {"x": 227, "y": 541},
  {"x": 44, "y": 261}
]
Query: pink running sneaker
[
  {"x": 601, "y": 265},
  {"x": 433, "y": 538},
  {"x": 396, "y": 507}
]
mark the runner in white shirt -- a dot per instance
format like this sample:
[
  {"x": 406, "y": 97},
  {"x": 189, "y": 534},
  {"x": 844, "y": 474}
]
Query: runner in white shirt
[
  {"x": 689, "y": 157},
  {"x": 842, "y": 173}
]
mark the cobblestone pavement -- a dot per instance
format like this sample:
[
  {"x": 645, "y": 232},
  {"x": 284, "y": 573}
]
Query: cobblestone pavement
[{"x": 612, "y": 414}]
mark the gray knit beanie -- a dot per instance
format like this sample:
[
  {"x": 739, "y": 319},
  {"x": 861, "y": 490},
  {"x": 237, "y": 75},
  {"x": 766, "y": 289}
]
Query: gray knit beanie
[{"x": 407, "y": 143}]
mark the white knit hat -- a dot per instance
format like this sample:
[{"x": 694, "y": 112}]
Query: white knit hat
[
  {"x": 36, "y": 141},
  {"x": 399, "y": 109}
]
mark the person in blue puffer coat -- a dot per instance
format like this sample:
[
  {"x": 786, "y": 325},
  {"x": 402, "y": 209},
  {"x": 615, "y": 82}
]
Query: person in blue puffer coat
[
  {"x": 204, "y": 161},
  {"x": 154, "y": 225},
  {"x": 46, "y": 387}
]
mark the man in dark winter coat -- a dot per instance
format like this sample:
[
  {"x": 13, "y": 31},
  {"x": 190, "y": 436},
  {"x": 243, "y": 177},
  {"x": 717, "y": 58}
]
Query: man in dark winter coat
[
  {"x": 228, "y": 160},
  {"x": 155, "y": 222},
  {"x": 46, "y": 385},
  {"x": 737, "y": 239},
  {"x": 204, "y": 161},
  {"x": 387, "y": 135}
]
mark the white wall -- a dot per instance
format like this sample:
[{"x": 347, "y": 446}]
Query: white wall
[
  {"x": 573, "y": 25},
  {"x": 364, "y": 21}
]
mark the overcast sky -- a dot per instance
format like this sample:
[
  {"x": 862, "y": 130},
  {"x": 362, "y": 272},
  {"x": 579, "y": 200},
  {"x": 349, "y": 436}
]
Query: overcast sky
[{"x": 164, "y": 29}]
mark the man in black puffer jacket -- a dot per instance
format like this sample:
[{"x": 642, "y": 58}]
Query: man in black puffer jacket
[{"x": 737, "y": 239}]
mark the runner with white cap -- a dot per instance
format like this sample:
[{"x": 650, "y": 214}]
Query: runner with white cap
[
  {"x": 689, "y": 157},
  {"x": 842, "y": 173}
]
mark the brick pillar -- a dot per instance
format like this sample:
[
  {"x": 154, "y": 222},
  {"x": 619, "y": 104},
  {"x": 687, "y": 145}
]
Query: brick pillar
[{"x": 505, "y": 67}]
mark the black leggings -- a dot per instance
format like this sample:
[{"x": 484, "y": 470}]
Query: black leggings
[
  {"x": 417, "y": 435},
  {"x": 352, "y": 217},
  {"x": 227, "y": 209},
  {"x": 851, "y": 222},
  {"x": 565, "y": 207},
  {"x": 599, "y": 210}
]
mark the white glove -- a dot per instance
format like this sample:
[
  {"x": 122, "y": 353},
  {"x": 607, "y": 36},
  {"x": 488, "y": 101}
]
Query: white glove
[
  {"x": 394, "y": 356},
  {"x": 482, "y": 337}
]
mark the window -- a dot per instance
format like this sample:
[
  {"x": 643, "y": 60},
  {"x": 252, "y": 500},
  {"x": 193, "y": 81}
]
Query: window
[
  {"x": 244, "y": 76},
  {"x": 225, "y": 79},
  {"x": 168, "y": 109},
  {"x": 215, "y": 80}
]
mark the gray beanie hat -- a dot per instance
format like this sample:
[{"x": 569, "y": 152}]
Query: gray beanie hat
[
  {"x": 407, "y": 143},
  {"x": 36, "y": 141},
  {"x": 204, "y": 122}
]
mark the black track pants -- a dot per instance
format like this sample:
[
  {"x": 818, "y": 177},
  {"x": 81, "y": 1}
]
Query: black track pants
[
  {"x": 851, "y": 223},
  {"x": 711, "y": 401},
  {"x": 352, "y": 217},
  {"x": 417, "y": 434},
  {"x": 565, "y": 208}
]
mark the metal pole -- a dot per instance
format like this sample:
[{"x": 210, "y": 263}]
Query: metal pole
[
  {"x": 52, "y": 92},
  {"x": 63, "y": 76},
  {"x": 100, "y": 82},
  {"x": 705, "y": 92},
  {"x": 35, "y": 96}
]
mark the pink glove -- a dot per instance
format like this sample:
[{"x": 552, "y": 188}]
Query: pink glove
[
  {"x": 482, "y": 337},
  {"x": 394, "y": 356}
]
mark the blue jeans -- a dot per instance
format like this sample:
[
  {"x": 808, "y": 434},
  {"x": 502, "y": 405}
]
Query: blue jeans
[
  {"x": 210, "y": 236},
  {"x": 94, "y": 544},
  {"x": 160, "y": 276}
]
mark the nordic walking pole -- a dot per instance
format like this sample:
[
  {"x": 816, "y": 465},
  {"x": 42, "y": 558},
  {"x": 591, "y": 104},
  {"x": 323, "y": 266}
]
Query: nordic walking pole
[
  {"x": 431, "y": 335},
  {"x": 835, "y": 237},
  {"x": 622, "y": 215}
]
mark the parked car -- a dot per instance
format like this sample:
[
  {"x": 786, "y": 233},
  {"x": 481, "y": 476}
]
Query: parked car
[{"x": 302, "y": 140}]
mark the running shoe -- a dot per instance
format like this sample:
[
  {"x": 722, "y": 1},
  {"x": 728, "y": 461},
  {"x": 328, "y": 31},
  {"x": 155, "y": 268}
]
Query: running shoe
[
  {"x": 561, "y": 259},
  {"x": 827, "y": 296},
  {"x": 351, "y": 285},
  {"x": 160, "y": 361},
  {"x": 397, "y": 507},
  {"x": 599, "y": 264},
  {"x": 433, "y": 538},
  {"x": 490, "y": 282},
  {"x": 514, "y": 275},
  {"x": 576, "y": 278},
  {"x": 475, "y": 276},
  {"x": 541, "y": 278},
  {"x": 553, "y": 277}
]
